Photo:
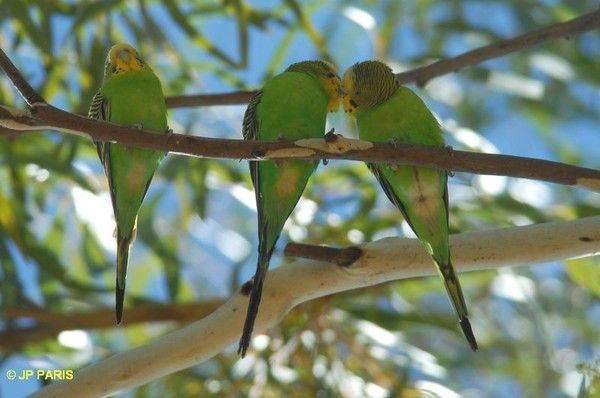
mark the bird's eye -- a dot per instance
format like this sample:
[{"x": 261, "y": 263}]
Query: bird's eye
[{"x": 353, "y": 103}]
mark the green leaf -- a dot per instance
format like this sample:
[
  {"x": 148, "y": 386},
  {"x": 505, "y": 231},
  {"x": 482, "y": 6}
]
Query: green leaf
[{"x": 585, "y": 272}]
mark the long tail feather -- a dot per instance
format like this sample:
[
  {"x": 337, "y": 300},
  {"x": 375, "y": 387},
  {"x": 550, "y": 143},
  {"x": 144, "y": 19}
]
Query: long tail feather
[
  {"x": 123, "y": 245},
  {"x": 255, "y": 296},
  {"x": 458, "y": 301},
  {"x": 468, "y": 332}
]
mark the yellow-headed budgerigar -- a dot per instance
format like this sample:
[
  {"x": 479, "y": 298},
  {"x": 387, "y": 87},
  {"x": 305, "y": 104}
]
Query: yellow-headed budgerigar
[
  {"x": 131, "y": 95},
  {"x": 386, "y": 111},
  {"x": 292, "y": 105}
]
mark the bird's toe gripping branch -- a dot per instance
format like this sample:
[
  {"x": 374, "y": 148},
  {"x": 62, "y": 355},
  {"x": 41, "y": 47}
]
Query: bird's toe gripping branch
[
  {"x": 450, "y": 150},
  {"x": 330, "y": 136}
]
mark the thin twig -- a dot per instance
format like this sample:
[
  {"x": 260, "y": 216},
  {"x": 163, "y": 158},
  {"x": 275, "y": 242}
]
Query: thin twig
[
  {"x": 422, "y": 75},
  {"x": 343, "y": 257},
  {"x": 234, "y": 98},
  {"x": 28, "y": 93},
  {"x": 47, "y": 116},
  {"x": 49, "y": 324},
  {"x": 567, "y": 29}
]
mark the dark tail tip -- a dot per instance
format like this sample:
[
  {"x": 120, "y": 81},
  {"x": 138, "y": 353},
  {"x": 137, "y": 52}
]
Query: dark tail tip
[
  {"x": 119, "y": 297},
  {"x": 468, "y": 332},
  {"x": 243, "y": 347},
  {"x": 246, "y": 335},
  {"x": 252, "y": 312}
]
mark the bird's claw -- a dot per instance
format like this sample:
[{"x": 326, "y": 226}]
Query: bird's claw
[
  {"x": 450, "y": 152},
  {"x": 330, "y": 136},
  {"x": 258, "y": 153}
]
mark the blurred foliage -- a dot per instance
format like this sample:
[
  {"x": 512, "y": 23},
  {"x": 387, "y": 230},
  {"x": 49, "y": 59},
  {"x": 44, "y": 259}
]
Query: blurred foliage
[{"x": 537, "y": 326}]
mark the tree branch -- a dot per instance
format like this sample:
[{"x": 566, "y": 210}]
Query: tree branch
[
  {"x": 567, "y": 29},
  {"x": 422, "y": 75},
  {"x": 234, "y": 98},
  {"x": 50, "y": 324},
  {"x": 27, "y": 92},
  {"x": 287, "y": 286},
  {"x": 334, "y": 147},
  {"x": 44, "y": 116}
]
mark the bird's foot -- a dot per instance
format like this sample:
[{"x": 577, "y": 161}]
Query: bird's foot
[
  {"x": 247, "y": 287},
  {"x": 330, "y": 136},
  {"x": 169, "y": 131},
  {"x": 258, "y": 153},
  {"x": 449, "y": 151},
  {"x": 393, "y": 142},
  {"x": 279, "y": 162},
  {"x": 138, "y": 126}
]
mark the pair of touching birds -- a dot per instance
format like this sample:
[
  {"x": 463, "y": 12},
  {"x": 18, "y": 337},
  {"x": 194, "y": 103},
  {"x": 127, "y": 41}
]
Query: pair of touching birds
[{"x": 292, "y": 105}]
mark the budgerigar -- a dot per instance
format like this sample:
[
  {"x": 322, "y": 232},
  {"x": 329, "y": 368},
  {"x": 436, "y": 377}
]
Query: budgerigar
[
  {"x": 131, "y": 95},
  {"x": 292, "y": 105},
  {"x": 386, "y": 111}
]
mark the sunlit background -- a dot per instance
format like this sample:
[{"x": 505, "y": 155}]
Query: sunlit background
[{"x": 537, "y": 325}]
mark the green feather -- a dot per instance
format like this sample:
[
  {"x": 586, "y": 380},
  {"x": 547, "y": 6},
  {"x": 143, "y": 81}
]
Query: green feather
[
  {"x": 386, "y": 111},
  {"x": 130, "y": 95},
  {"x": 292, "y": 105}
]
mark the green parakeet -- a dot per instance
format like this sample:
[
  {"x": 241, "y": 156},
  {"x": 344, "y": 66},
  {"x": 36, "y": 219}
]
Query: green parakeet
[
  {"x": 386, "y": 111},
  {"x": 293, "y": 105},
  {"x": 130, "y": 95}
]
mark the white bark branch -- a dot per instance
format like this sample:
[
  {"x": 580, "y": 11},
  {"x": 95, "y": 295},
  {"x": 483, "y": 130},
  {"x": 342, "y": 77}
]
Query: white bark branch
[{"x": 287, "y": 286}]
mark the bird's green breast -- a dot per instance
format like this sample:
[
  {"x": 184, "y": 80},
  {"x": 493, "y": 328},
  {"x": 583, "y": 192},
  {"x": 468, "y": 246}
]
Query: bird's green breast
[
  {"x": 294, "y": 106},
  {"x": 136, "y": 98},
  {"x": 404, "y": 118}
]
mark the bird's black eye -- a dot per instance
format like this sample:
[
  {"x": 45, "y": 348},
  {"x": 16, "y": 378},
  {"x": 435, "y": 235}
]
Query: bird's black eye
[{"x": 353, "y": 103}]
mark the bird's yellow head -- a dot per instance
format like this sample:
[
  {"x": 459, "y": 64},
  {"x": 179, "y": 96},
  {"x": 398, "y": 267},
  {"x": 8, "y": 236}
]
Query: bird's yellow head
[
  {"x": 367, "y": 84},
  {"x": 329, "y": 77},
  {"x": 121, "y": 59}
]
